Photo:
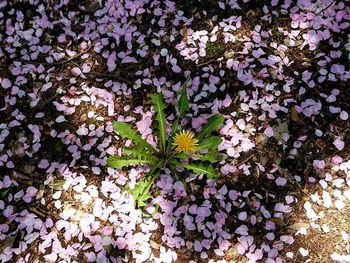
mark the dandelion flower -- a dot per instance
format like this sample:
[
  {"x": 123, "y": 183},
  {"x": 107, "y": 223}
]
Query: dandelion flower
[{"x": 185, "y": 142}]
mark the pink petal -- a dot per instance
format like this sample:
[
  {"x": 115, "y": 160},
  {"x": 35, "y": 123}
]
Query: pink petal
[
  {"x": 344, "y": 115},
  {"x": 269, "y": 132},
  {"x": 5, "y": 83},
  {"x": 339, "y": 144},
  {"x": 319, "y": 164},
  {"x": 43, "y": 164}
]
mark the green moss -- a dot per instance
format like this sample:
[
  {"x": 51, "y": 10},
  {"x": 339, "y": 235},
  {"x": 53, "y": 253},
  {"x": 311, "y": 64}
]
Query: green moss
[{"x": 214, "y": 49}]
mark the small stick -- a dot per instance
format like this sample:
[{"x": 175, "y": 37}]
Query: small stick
[{"x": 206, "y": 63}]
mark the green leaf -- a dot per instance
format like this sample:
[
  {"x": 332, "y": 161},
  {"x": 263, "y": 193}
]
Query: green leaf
[
  {"x": 138, "y": 153},
  {"x": 212, "y": 157},
  {"x": 214, "y": 123},
  {"x": 141, "y": 190},
  {"x": 183, "y": 101},
  {"x": 174, "y": 129},
  {"x": 120, "y": 162},
  {"x": 210, "y": 143},
  {"x": 125, "y": 131},
  {"x": 181, "y": 155},
  {"x": 183, "y": 107},
  {"x": 200, "y": 169},
  {"x": 159, "y": 107},
  {"x": 4, "y": 192},
  {"x": 278, "y": 161},
  {"x": 173, "y": 163}
]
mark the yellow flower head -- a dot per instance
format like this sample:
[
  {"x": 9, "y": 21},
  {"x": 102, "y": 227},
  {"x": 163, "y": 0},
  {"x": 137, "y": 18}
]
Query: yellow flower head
[{"x": 185, "y": 142}]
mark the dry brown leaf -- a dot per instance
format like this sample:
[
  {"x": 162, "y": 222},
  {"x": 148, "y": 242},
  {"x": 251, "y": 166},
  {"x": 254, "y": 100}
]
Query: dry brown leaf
[{"x": 294, "y": 115}]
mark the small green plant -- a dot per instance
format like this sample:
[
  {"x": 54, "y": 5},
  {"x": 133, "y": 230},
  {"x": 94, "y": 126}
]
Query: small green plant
[
  {"x": 5, "y": 191},
  {"x": 214, "y": 49},
  {"x": 175, "y": 150}
]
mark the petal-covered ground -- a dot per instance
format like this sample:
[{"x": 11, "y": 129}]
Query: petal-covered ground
[{"x": 277, "y": 70}]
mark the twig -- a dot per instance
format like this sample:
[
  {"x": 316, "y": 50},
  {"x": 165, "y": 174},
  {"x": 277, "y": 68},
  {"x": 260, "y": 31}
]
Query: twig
[
  {"x": 245, "y": 160},
  {"x": 324, "y": 9},
  {"x": 206, "y": 63},
  {"x": 37, "y": 212}
]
